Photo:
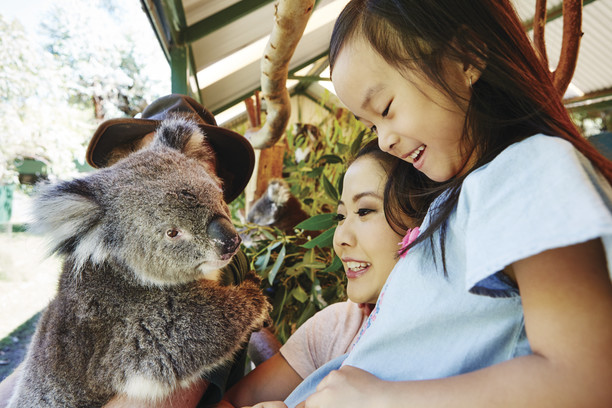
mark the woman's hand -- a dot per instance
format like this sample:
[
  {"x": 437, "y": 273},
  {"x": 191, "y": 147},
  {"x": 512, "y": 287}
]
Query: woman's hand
[{"x": 347, "y": 387}]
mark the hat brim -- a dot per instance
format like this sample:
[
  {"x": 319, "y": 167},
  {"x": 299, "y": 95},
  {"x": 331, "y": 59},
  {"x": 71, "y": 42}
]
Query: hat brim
[{"x": 235, "y": 156}]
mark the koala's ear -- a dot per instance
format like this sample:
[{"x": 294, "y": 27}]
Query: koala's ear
[
  {"x": 184, "y": 135},
  {"x": 70, "y": 216}
]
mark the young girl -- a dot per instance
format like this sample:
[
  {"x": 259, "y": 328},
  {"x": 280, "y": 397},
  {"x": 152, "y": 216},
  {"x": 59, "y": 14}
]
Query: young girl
[
  {"x": 505, "y": 299},
  {"x": 367, "y": 244}
]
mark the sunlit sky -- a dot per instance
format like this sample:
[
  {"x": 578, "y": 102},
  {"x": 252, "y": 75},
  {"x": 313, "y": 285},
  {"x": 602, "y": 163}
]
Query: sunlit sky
[{"x": 30, "y": 12}]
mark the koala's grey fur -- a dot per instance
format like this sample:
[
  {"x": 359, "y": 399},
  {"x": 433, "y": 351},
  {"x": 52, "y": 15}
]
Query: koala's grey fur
[{"x": 138, "y": 309}]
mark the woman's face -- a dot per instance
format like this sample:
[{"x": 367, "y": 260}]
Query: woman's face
[
  {"x": 363, "y": 240},
  {"x": 414, "y": 121}
]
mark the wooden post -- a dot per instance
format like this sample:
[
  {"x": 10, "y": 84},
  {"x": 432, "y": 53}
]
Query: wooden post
[
  {"x": 572, "y": 34},
  {"x": 268, "y": 162}
]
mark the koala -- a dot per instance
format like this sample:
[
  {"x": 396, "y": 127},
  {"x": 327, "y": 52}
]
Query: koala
[
  {"x": 139, "y": 309},
  {"x": 277, "y": 207}
]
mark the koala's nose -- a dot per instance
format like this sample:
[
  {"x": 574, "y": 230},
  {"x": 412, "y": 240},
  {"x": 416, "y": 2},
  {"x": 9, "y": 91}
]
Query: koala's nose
[{"x": 224, "y": 236}]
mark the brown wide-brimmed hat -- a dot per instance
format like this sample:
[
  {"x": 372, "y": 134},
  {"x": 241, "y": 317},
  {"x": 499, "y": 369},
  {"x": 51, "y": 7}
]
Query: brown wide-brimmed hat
[{"x": 234, "y": 153}]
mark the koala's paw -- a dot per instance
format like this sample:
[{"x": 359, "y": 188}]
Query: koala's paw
[
  {"x": 253, "y": 277},
  {"x": 251, "y": 288}
]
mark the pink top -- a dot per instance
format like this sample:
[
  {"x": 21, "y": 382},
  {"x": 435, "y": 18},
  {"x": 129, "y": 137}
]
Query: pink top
[{"x": 326, "y": 335}]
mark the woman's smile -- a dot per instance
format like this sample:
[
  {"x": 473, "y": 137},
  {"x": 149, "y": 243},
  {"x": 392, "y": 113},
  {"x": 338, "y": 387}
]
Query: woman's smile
[{"x": 355, "y": 269}]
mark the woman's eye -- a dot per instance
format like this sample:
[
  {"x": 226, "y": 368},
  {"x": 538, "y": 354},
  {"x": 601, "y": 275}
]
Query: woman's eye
[
  {"x": 339, "y": 217},
  {"x": 386, "y": 111},
  {"x": 362, "y": 212},
  {"x": 373, "y": 128}
]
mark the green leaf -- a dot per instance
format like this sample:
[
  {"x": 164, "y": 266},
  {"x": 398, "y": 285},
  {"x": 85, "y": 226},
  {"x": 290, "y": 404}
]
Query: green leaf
[
  {"x": 309, "y": 256},
  {"x": 261, "y": 262},
  {"x": 334, "y": 266},
  {"x": 293, "y": 271},
  {"x": 318, "y": 222},
  {"x": 313, "y": 265},
  {"x": 277, "y": 265},
  {"x": 322, "y": 241},
  {"x": 268, "y": 234},
  {"x": 306, "y": 314},
  {"x": 317, "y": 294},
  {"x": 342, "y": 148},
  {"x": 329, "y": 188},
  {"x": 299, "y": 294},
  {"x": 330, "y": 158},
  {"x": 356, "y": 145},
  {"x": 341, "y": 183},
  {"x": 290, "y": 138},
  {"x": 316, "y": 173},
  {"x": 279, "y": 302}
]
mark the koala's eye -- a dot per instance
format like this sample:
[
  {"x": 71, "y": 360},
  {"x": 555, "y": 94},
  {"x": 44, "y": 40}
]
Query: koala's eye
[{"x": 173, "y": 233}]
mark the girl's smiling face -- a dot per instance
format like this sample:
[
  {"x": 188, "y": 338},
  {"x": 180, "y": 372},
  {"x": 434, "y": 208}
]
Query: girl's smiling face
[
  {"x": 364, "y": 240},
  {"x": 414, "y": 120}
]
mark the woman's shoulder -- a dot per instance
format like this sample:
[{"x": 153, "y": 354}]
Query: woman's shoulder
[
  {"x": 338, "y": 317},
  {"x": 344, "y": 307}
]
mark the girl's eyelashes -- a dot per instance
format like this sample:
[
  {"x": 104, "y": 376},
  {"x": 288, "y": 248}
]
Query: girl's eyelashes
[
  {"x": 339, "y": 217},
  {"x": 383, "y": 114},
  {"x": 386, "y": 111}
]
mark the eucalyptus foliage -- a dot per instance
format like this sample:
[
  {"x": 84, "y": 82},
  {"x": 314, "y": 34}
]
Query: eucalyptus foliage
[{"x": 300, "y": 272}]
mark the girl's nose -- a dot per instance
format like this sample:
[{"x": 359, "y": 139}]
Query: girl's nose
[{"x": 387, "y": 140}]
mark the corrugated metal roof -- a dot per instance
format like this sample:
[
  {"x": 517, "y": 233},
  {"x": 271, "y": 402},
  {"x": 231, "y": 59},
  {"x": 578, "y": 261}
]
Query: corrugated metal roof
[{"x": 210, "y": 31}]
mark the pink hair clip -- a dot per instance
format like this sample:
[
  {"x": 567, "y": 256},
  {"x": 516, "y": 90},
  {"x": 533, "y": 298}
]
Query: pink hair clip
[{"x": 409, "y": 238}]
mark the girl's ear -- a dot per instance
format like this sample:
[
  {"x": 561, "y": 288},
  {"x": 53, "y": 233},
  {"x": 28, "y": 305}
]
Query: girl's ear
[
  {"x": 472, "y": 74},
  {"x": 473, "y": 54}
]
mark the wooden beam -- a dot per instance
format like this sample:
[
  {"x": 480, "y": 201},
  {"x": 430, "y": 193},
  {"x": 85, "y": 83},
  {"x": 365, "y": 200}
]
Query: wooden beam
[
  {"x": 552, "y": 13},
  {"x": 222, "y": 18},
  {"x": 593, "y": 101},
  {"x": 178, "y": 66},
  {"x": 154, "y": 13}
]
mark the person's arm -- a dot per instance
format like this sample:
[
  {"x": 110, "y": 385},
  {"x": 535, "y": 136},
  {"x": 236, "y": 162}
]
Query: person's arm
[
  {"x": 567, "y": 299},
  {"x": 274, "y": 379},
  {"x": 184, "y": 398}
]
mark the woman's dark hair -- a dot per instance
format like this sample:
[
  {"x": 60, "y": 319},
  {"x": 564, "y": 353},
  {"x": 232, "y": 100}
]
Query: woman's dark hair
[
  {"x": 514, "y": 98},
  {"x": 403, "y": 207}
]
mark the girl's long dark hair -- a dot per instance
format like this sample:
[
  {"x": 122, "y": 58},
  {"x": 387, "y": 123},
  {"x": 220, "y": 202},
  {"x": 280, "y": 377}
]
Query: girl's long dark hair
[{"x": 513, "y": 99}]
